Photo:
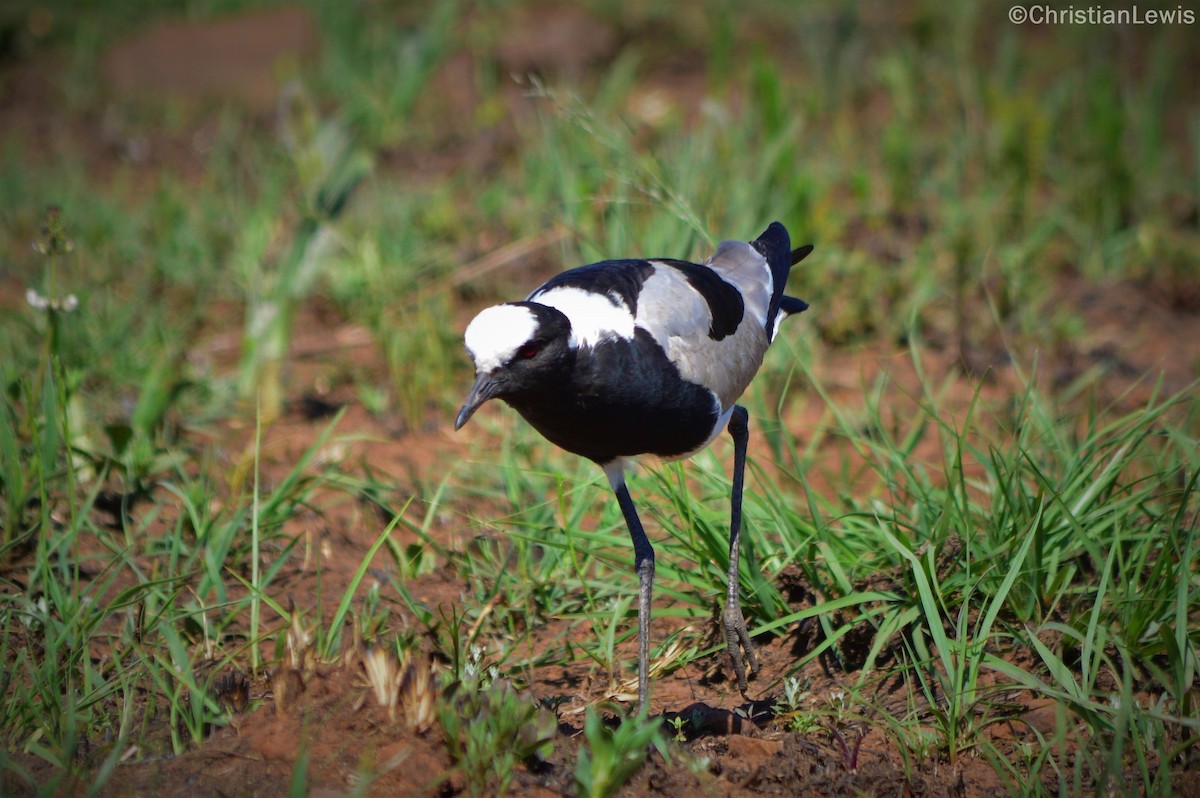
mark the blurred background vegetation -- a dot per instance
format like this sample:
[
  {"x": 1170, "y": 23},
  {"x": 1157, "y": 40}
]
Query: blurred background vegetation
[{"x": 219, "y": 215}]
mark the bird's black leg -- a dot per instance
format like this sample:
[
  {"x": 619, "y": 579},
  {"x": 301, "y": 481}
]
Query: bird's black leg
[
  {"x": 737, "y": 637},
  {"x": 643, "y": 560}
]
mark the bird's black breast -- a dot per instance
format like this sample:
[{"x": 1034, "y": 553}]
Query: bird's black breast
[{"x": 624, "y": 398}]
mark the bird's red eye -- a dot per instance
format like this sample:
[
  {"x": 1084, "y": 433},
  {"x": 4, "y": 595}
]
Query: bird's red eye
[{"x": 528, "y": 350}]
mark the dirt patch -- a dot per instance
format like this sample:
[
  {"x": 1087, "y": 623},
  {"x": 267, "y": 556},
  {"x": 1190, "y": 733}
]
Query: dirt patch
[
  {"x": 332, "y": 735},
  {"x": 1134, "y": 332},
  {"x": 234, "y": 59},
  {"x": 551, "y": 39}
]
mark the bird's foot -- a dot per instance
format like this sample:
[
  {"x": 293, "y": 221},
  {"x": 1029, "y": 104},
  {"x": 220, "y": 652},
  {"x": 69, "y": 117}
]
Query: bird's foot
[{"x": 737, "y": 641}]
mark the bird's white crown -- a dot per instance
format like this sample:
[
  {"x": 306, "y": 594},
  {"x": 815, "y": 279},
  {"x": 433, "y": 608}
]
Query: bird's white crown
[{"x": 495, "y": 335}]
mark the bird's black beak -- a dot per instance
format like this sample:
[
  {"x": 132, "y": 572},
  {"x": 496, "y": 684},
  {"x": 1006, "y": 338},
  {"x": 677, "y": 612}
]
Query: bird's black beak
[{"x": 484, "y": 388}]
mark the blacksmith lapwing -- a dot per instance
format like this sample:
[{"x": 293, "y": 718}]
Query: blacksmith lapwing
[{"x": 632, "y": 357}]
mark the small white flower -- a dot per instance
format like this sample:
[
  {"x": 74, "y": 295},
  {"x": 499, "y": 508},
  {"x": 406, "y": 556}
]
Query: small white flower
[{"x": 67, "y": 304}]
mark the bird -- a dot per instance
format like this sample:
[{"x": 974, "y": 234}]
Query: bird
[{"x": 626, "y": 358}]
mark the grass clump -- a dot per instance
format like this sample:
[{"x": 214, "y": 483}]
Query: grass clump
[{"x": 1043, "y": 531}]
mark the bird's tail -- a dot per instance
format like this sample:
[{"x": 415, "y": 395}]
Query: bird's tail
[{"x": 776, "y": 246}]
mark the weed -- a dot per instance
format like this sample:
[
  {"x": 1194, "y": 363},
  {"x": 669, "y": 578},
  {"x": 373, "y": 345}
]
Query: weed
[
  {"x": 29, "y": 477},
  {"x": 612, "y": 755},
  {"x": 489, "y": 727},
  {"x": 406, "y": 682},
  {"x": 793, "y": 711},
  {"x": 848, "y": 734}
]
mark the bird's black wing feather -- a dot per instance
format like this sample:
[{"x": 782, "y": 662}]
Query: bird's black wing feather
[
  {"x": 776, "y": 246},
  {"x": 725, "y": 303},
  {"x": 790, "y": 305},
  {"x": 800, "y": 253},
  {"x": 620, "y": 278}
]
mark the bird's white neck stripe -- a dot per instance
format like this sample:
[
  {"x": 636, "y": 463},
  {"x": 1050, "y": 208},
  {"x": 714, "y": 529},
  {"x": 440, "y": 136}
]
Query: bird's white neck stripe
[{"x": 593, "y": 316}]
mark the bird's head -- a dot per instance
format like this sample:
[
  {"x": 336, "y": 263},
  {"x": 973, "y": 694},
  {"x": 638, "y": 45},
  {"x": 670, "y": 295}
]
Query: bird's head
[{"x": 520, "y": 349}]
